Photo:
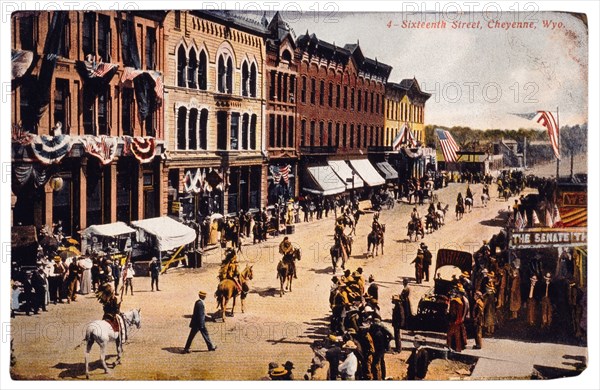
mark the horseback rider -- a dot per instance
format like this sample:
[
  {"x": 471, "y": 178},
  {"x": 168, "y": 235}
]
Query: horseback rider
[
  {"x": 469, "y": 193},
  {"x": 340, "y": 237},
  {"x": 431, "y": 209},
  {"x": 287, "y": 250},
  {"x": 376, "y": 226},
  {"x": 110, "y": 304},
  {"x": 486, "y": 189},
  {"x": 459, "y": 199},
  {"x": 229, "y": 268},
  {"x": 415, "y": 216}
]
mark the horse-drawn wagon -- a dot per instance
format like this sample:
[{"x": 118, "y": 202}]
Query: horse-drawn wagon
[{"x": 433, "y": 306}]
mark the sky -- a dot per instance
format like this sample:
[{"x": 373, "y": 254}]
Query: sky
[{"x": 477, "y": 76}]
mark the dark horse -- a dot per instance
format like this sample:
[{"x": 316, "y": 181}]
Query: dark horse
[
  {"x": 337, "y": 253},
  {"x": 415, "y": 228},
  {"x": 285, "y": 270},
  {"x": 431, "y": 222},
  {"x": 375, "y": 239},
  {"x": 460, "y": 210},
  {"x": 227, "y": 289}
]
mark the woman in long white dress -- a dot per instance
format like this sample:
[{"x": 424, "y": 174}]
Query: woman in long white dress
[{"x": 85, "y": 263}]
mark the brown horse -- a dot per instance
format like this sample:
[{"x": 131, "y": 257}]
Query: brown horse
[
  {"x": 227, "y": 289},
  {"x": 285, "y": 270},
  {"x": 375, "y": 239}
]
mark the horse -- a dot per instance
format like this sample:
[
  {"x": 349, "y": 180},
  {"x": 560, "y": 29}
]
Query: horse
[
  {"x": 469, "y": 203},
  {"x": 415, "y": 228},
  {"x": 460, "y": 210},
  {"x": 431, "y": 222},
  {"x": 346, "y": 220},
  {"x": 337, "y": 253},
  {"x": 101, "y": 332},
  {"x": 485, "y": 198},
  {"x": 227, "y": 289},
  {"x": 285, "y": 270},
  {"x": 375, "y": 239}
]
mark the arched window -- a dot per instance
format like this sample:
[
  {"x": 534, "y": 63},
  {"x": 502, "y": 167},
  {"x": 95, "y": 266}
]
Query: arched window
[
  {"x": 202, "y": 70},
  {"x": 245, "y": 79},
  {"x": 229, "y": 73},
  {"x": 253, "y": 77},
  {"x": 181, "y": 66},
  {"x": 181, "y": 128},
  {"x": 192, "y": 69},
  {"x": 286, "y": 55},
  {"x": 203, "y": 129},
  {"x": 193, "y": 129},
  {"x": 222, "y": 75},
  {"x": 245, "y": 120},
  {"x": 253, "y": 132}
]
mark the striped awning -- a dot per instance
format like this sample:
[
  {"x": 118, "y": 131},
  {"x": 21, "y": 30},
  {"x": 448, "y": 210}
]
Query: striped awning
[
  {"x": 387, "y": 170},
  {"x": 367, "y": 172}
]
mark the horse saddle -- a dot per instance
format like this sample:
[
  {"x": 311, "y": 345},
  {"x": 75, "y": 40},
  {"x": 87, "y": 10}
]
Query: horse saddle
[{"x": 114, "y": 323}]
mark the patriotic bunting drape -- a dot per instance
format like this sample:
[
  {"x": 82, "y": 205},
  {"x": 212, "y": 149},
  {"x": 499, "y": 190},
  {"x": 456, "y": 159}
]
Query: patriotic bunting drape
[
  {"x": 405, "y": 136},
  {"x": 25, "y": 172},
  {"x": 21, "y": 62},
  {"x": 103, "y": 147},
  {"x": 143, "y": 148},
  {"x": 93, "y": 68},
  {"x": 51, "y": 149}
]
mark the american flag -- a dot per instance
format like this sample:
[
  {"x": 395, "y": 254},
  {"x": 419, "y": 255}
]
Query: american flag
[
  {"x": 131, "y": 73},
  {"x": 285, "y": 173},
  {"x": 449, "y": 146},
  {"x": 547, "y": 119},
  {"x": 520, "y": 222}
]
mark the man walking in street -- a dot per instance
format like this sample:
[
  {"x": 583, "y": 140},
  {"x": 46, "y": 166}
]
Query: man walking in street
[
  {"x": 198, "y": 324},
  {"x": 418, "y": 262},
  {"x": 154, "y": 272},
  {"x": 427, "y": 257}
]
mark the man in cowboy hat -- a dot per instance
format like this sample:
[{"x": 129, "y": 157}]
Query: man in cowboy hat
[
  {"x": 154, "y": 273},
  {"x": 287, "y": 249},
  {"x": 198, "y": 324},
  {"x": 373, "y": 289},
  {"x": 289, "y": 366},
  {"x": 418, "y": 262},
  {"x": 478, "y": 319},
  {"x": 427, "y": 258},
  {"x": 333, "y": 356},
  {"x": 398, "y": 321},
  {"x": 418, "y": 361},
  {"x": 381, "y": 340}
]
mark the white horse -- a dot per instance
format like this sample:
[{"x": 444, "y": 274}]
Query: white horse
[
  {"x": 469, "y": 204},
  {"x": 485, "y": 199},
  {"x": 101, "y": 332}
]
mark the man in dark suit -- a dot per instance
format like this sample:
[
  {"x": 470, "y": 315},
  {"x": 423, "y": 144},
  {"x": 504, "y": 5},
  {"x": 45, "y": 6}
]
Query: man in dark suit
[{"x": 198, "y": 323}]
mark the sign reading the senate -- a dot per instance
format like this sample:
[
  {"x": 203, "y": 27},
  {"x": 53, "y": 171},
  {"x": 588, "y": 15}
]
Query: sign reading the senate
[{"x": 548, "y": 238}]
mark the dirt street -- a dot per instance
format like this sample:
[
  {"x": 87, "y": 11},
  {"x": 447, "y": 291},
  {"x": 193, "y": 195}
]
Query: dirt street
[{"x": 273, "y": 328}]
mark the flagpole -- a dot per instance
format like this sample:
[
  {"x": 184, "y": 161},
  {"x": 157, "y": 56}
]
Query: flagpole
[{"x": 558, "y": 143}]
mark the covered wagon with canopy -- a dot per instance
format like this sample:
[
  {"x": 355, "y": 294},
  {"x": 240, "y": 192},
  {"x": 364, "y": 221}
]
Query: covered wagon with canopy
[{"x": 162, "y": 237}]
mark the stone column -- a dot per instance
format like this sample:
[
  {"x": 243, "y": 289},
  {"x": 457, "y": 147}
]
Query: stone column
[
  {"x": 49, "y": 195},
  {"x": 113, "y": 190}
]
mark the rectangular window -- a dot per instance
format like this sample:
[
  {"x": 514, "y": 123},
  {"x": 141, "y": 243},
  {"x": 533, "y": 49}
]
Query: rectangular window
[
  {"x": 345, "y": 97},
  {"x": 61, "y": 104},
  {"x": 127, "y": 111},
  {"x": 150, "y": 48},
  {"x": 235, "y": 129},
  {"x": 272, "y": 86},
  {"x": 65, "y": 44},
  {"x": 337, "y": 96},
  {"x": 359, "y": 100},
  {"x": 322, "y": 93},
  {"x": 358, "y": 136},
  {"x": 344, "y": 136},
  {"x": 292, "y": 89},
  {"x": 89, "y": 111},
  {"x": 253, "y": 132},
  {"x": 303, "y": 133},
  {"x": 279, "y": 130},
  {"x": 366, "y": 101},
  {"x": 27, "y": 32},
  {"x": 351, "y": 136},
  {"x": 372, "y": 98},
  {"x": 321, "y": 133},
  {"x": 290, "y": 132},
  {"x": 104, "y": 37},
  {"x": 221, "y": 130},
  {"x": 103, "y": 112},
  {"x": 88, "y": 43},
  {"x": 352, "y": 99},
  {"x": 303, "y": 93},
  {"x": 245, "y": 120},
  {"x": 177, "y": 19},
  {"x": 271, "y": 130},
  {"x": 313, "y": 90},
  {"x": 312, "y": 133},
  {"x": 329, "y": 134},
  {"x": 337, "y": 134},
  {"x": 284, "y": 133},
  {"x": 26, "y": 106}
]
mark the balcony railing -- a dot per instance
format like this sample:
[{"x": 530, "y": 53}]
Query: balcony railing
[{"x": 379, "y": 149}]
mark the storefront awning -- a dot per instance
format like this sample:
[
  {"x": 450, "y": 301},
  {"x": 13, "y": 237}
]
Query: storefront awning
[
  {"x": 169, "y": 233},
  {"x": 343, "y": 170},
  {"x": 367, "y": 172},
  {"x": 321, "y": 180},
  {"x": 387, "y": 170}
]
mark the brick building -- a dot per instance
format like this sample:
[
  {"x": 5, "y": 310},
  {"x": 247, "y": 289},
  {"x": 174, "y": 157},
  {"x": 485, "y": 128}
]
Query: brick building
[
  {"x": 87, "y": 117},
  {"x": 214, "y": 109},
  {"x": 340, "y": 115},
  {"x": 280, "y": 126}
]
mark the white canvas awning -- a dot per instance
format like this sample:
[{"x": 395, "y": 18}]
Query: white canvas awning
[
  {"x": 321, "y": 180},
  {"x": 169, "y": 233},
  {"x": 388, "y": 171},
  {"x": 367, "y": 172},
  {"x": 343, "y": 170},
  {"x": 108, "y": 230}
]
